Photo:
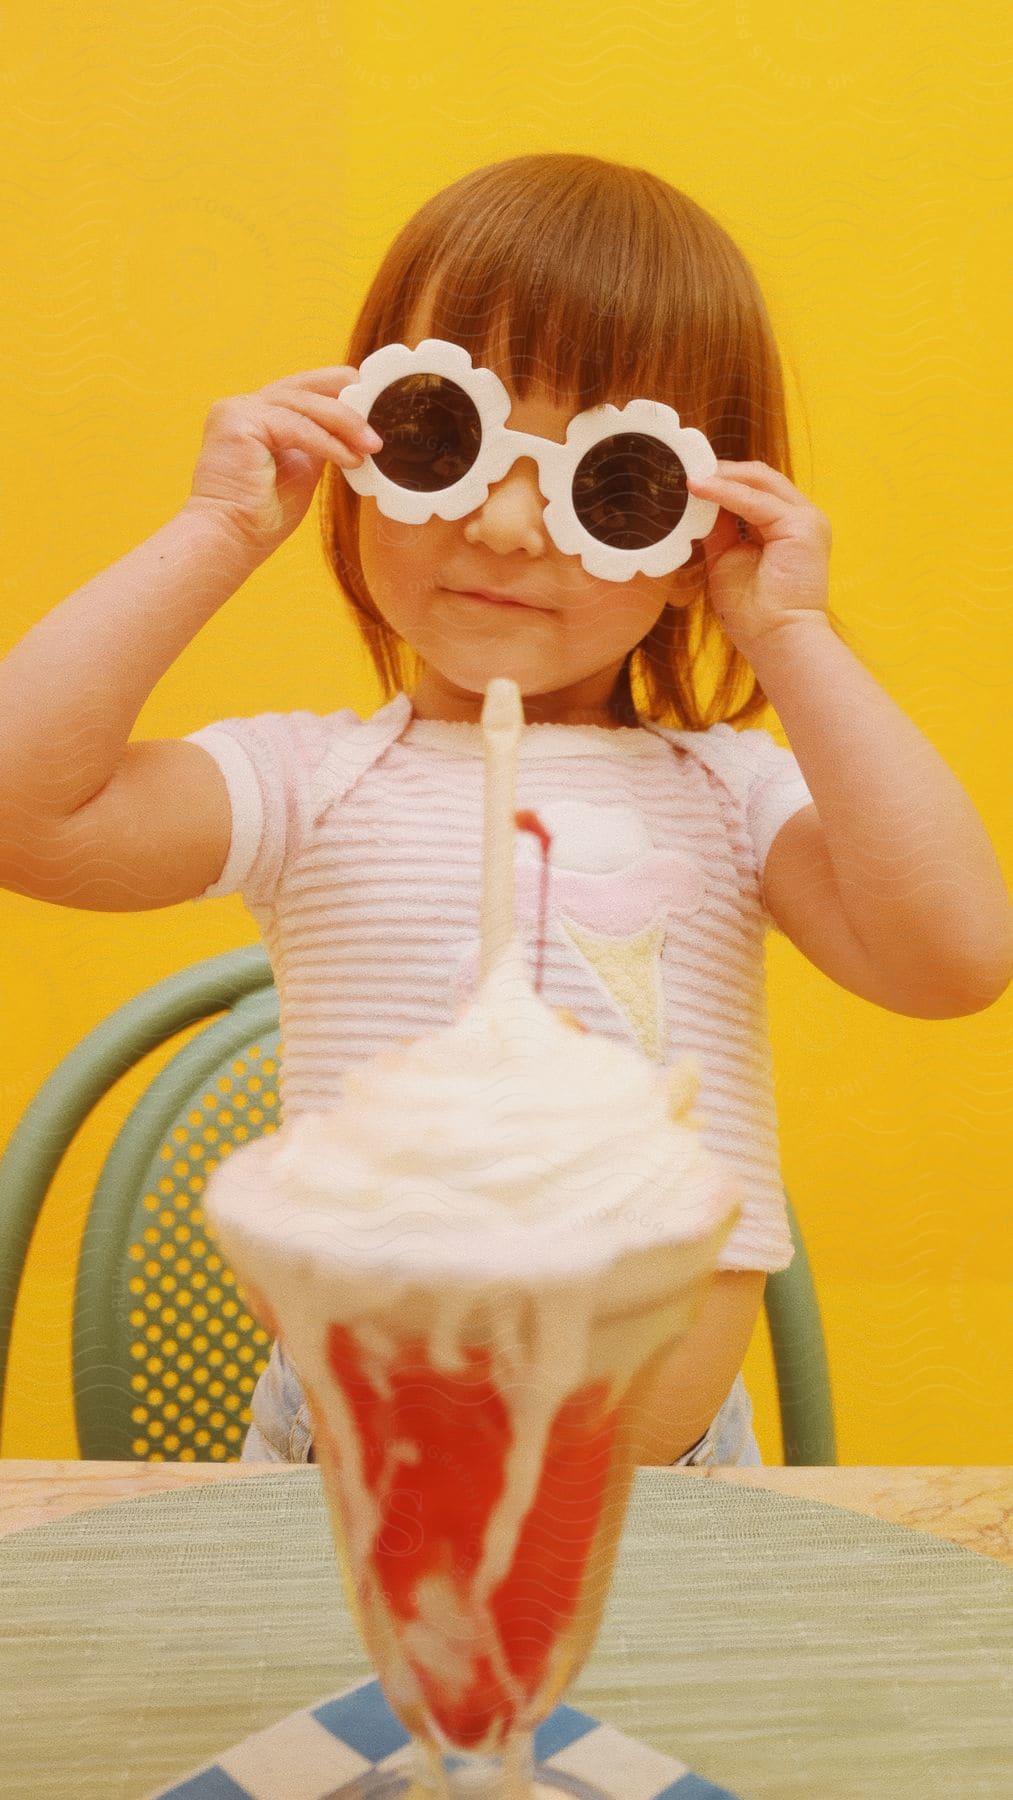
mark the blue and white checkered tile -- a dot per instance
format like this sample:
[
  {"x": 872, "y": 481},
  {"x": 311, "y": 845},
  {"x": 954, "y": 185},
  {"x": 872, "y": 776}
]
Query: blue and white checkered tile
[{"x": 324, "y": 1753}]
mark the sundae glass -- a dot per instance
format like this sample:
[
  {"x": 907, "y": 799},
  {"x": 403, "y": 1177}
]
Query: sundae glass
[{"x": 476, "y": 1263}]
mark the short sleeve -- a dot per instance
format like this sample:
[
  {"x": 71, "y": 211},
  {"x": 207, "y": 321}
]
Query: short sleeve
[
  {"x": 761, "y": 1236},
  {"x": 774, "y": 788},
  {"x": 268, "y": 763},
  {"x": 762, "y": 779}
]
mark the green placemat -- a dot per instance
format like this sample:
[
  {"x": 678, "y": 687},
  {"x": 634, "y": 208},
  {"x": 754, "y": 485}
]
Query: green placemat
[{"x": 781, "y": 1647}]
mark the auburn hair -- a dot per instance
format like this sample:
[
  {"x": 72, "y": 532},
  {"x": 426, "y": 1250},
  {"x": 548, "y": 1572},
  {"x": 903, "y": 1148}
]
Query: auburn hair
[{"x": 605, "y": 283}]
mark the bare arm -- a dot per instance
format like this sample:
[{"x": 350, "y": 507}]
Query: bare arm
[
  {"x": 890, "y": 885},
  {"x": 71, "y": 690},
  {"x": 894, "y": 889},
  {"x": 691, "y": 1384},
  {"x": 86, "y": 818}
]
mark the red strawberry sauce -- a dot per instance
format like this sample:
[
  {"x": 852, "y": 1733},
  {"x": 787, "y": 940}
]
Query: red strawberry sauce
[{"x": 436, "y": 1510}]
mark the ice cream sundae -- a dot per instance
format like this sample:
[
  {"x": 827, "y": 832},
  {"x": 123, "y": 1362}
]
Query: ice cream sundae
[{"x": 474, "y": 1262}]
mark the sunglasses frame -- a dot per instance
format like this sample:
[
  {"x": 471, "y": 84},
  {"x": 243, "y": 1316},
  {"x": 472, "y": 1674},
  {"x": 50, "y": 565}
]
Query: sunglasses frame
[{"x": 556, "y": 463}]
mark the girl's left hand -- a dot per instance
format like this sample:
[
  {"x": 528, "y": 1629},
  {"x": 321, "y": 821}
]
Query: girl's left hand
[{"x": 756, "y": 587}]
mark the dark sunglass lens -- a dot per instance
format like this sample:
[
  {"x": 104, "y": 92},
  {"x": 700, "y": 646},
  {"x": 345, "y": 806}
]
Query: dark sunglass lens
[
  {"x": 431, "y": 432},
  {"x": 630, "y": 491}
]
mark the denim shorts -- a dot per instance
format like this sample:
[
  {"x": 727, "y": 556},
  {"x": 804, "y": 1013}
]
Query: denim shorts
[{"x": 282, "y": 1431}]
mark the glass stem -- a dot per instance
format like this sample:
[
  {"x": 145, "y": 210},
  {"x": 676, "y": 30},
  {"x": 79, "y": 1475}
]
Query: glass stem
[{"x": 470, "y": 1775}]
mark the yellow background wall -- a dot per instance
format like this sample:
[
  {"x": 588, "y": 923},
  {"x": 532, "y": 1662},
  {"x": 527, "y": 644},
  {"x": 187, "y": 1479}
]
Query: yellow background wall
[{"x": 193, "y": 201}]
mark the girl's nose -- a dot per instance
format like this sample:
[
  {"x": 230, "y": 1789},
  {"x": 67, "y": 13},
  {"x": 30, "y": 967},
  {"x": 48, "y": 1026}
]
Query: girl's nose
[{"x": 510, "y": 518}]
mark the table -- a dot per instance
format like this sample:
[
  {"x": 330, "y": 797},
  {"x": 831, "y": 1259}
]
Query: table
[
  {"x": 969, "y": 1506},
  {"x": 783, "y": 1646}
]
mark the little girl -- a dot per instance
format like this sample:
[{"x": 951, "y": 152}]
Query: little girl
[{"x": 678, "y": 840}]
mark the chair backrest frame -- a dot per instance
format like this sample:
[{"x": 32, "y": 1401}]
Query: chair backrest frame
[
  {"x": 82, "y": 1079},
  {"x": 804, "y": 1393}
]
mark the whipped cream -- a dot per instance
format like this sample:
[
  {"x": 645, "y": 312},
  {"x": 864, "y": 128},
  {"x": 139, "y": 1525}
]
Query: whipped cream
[{"x": 508, "y": 1143}]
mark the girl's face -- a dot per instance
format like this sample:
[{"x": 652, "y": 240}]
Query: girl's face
[{"x": 490, "y": 595}]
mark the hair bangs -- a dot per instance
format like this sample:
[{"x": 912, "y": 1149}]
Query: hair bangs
[{"x": 535, "y": 301}]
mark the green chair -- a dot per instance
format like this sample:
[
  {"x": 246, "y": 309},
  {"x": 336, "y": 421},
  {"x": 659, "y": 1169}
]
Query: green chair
[{"x": 166, "y": 1353}]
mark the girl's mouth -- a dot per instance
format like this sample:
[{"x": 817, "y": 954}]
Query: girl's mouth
[{"x": 490, "y": 598}]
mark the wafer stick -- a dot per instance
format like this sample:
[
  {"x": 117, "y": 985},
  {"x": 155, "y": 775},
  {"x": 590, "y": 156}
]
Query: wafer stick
[{"x": 502, "y": 723}]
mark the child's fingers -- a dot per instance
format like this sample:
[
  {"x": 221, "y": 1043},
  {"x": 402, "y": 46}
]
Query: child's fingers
[
  {"x": 758, "y": 475},
  {"x": 330, "y": 380},
  {"x": 348, "y": 426},
  {"x": 292, "y": 429},
  {"x": 754, "y": 504}
]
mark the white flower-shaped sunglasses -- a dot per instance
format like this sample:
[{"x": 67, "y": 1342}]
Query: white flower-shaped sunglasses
[{"x": 615, "y": 490}]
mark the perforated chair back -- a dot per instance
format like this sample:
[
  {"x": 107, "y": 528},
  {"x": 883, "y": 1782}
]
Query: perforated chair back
[{"x": 166, "y": 1353}]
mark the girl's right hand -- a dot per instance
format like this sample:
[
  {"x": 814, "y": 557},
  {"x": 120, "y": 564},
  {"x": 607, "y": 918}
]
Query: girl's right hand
[{"x": 263, "y": 453}]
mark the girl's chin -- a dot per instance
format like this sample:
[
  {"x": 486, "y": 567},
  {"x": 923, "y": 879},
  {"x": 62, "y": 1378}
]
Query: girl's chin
[{"x": 472, "y": 674}]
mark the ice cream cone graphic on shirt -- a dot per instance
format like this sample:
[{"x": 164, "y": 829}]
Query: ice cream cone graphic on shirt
[
  {"x": 630, "y": 968},
  {"x": 612, "y": 896}
]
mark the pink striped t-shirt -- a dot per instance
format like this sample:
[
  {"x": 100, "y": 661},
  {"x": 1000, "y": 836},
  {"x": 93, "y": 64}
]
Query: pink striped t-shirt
[{"x": 357, "y": 848}]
